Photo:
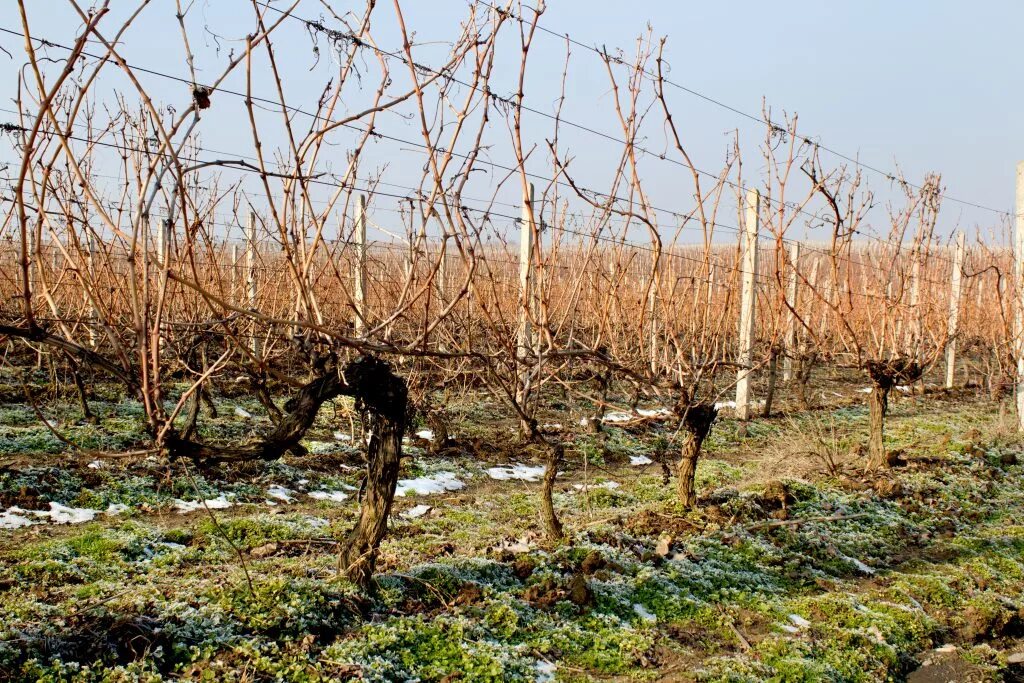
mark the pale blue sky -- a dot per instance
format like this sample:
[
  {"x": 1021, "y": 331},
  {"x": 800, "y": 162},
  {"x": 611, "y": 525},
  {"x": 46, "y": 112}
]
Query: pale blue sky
[{"x": 931, "y": 85}]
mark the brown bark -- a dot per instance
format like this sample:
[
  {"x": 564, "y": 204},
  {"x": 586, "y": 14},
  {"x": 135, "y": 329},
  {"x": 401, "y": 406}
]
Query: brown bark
[
  {"x": 302, "y": 410},
  {"x": 382, "y": 401},
  {"x": 83, "y": 400},
  {"x": 802, "y": 375},
  {"x": 552, "y": 525},
  {"x": 773, "y": 368},
  {"x": 697, "y": 425},
  {"x": 884, "y": 376},
  {"x": 878, "y": 405}
]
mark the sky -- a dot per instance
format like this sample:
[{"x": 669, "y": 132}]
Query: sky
[{"x": 929, "y": 86}]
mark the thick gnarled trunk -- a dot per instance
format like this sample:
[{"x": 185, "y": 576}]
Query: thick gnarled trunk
[
  {"x": 697, "y": 423},
  {"x": 884, "y": 376},
  {"x": 878, "y": 405},
  {"x": 552, "y": 526},
  {"x": 381, "y": 398}
]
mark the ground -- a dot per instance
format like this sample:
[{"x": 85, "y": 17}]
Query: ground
[{"x": 796, "y": 567}]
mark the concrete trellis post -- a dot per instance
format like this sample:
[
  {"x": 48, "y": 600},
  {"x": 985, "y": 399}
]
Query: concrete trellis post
[
  {"x": 748, "y": 296},
  {"x": 90, "y": 264},
  {"x": 955, "y": 284},
  {"x": 250, "y": 276},
  {"x": 791, "y": 299},
  {"x": 524, "y": 338},
  {"x": 1018, "y": 293},
  {"x": 359, "y": 275}
]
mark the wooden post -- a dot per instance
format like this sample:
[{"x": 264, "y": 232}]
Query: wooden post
[
  {"x": 1018, "y": 293},
  {"x": 954, "y": 309},
  {"x": 250, "y": 277},
  {"x": 360, "y": 268},
  {"x": 791, "y": 299},
  {"x": 748, "y": 274},
  {"x": 524, "y": 340}
]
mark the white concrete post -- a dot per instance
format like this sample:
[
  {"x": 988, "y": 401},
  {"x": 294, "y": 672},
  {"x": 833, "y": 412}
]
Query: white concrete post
[
  {"x": 360, "y": 268},
  {"x": 250, "y": 277},
  {"x": 791, "y": 299},
  {"x": 90, "y": 265},
  {"x": 748, "y": 296},
  {"x": 955, "y": 284},
  {"x": 524, "y": 338},
  {"x": 1018, "y": 292}
]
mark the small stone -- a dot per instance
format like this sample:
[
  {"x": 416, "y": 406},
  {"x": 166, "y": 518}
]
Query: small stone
[{"x": 265, "y": 550}]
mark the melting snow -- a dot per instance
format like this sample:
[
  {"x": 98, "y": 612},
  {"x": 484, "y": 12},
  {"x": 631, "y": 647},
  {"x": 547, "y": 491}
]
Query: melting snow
[
  {"x": 13, "y": 519},
  {"x": 423, "y": 486},
  {"x": 342, "y": 436},
  {"x": 638, "y": 460},
  {"x": 336, "y": 496},
  {"x": 619, "y": 416},
  {"x": 61, "y": 514},
  {"x": 281, "y": 493},
  {"x": 243, "y": 413},
  {"x": 516, "y": 471},
  {"x": 425, "y": 434},
  {"x": 416, "y": 512},
  {"x": 218, "y": 503}
]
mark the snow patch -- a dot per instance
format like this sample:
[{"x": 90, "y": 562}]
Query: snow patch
[
  {"x": 425, "y": 434},
  {"x": 61, "y": 514},
  {"x": 516, "y": 471},
  {"x": 342, "y": 436},
  {"x": 14, "y": 518},
  {"x": 424, "y": 486},
  {"x": 637, "y": 460},
  {"x": 243, "y": 413},
  {"x": 417, "y": 512},
  {"x": 218, "y": 503},
  {"x": 622, "y": 416},
  {"x": 281, "y": 493},
  {"x": 336, "y": 496}
]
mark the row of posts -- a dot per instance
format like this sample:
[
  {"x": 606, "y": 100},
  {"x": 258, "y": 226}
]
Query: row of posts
[{"x": 748, "y": 297}]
